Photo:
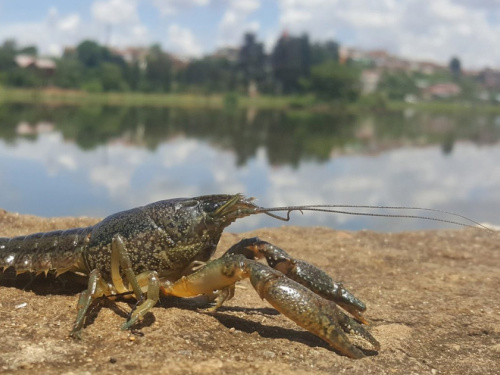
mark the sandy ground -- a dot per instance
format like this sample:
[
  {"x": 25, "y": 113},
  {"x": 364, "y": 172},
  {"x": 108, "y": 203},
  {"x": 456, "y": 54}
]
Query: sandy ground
[{"x": 433, "y": 299}]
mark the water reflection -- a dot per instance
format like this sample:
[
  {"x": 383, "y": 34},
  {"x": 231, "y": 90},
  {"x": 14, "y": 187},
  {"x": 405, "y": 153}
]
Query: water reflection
[{"x": 98, "y": 160}]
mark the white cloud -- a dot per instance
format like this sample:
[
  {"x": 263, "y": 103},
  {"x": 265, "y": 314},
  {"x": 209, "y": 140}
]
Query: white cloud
[
  {"x": 140, "y": 31},
  {"x": 118, "y": 23},
  {"x": 115, "y": 12},
  {"x": 182, "y": 41},
  {"x": 51, "y": 34},
  {"x": 100, "y": 175},
  {"x": 70, "y": 23},
  {"x": 67, "y": 161},
  {"x": 171, "y": 7},
  {"x": 491, "y": 5},
  {"x": 446, "y": 10},
  {"x": 433, "y": 30},
  {"x": 235, "y": 22},
  {"x": 246, "y": 6},
  {"x": 446, "y": 29}
]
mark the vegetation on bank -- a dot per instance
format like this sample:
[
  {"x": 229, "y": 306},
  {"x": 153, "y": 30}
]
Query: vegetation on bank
[
  {"x": 185, "y": 100},
  {"x": 297, "y": 73},
  {"x": 96, "y": 68},
  {"x": 369, "y": 103}
]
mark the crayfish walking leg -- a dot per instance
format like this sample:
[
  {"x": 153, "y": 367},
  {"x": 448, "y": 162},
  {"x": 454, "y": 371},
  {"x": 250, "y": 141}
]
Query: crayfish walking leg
[
  {"x": 120, "y": 258},
  {"x": 97, "y": 287}
]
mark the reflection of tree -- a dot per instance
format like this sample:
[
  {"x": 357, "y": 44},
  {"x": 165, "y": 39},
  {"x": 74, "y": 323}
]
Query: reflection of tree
[
  {"x": 447, "y": 144},
  {"x": 11, "y": 115},
  {"x": 287, "y": 137}
]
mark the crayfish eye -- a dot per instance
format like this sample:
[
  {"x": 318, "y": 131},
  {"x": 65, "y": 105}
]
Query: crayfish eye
[{"x": 211, "y": 206}]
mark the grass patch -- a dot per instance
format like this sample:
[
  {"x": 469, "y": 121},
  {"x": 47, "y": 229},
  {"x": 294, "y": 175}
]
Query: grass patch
[
  {"x": 446, "y": 107},
  {"x": 55, "y": 96},
  {"x": 74, "y": 97}
]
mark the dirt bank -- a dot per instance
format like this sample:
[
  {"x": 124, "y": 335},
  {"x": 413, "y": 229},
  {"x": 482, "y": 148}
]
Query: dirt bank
[{"x": 433, "y": 298}]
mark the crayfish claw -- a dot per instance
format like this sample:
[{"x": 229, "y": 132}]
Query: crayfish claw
[
  {"x": 310, "y": 311},
  {"x": 350, "y": 325}
]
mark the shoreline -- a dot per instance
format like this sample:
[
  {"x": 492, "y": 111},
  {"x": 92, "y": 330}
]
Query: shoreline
[{"x": 56, "y": 96}]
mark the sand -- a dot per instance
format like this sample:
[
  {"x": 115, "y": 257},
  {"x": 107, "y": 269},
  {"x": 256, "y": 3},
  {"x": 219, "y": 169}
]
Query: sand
[{"x": 433, "y": 299}]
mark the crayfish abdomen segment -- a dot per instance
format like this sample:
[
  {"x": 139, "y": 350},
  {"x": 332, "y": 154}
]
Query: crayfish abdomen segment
[{"x": 59, "y": 250}]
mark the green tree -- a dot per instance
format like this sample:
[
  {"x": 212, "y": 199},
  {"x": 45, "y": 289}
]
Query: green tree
[
  {"x": 321, "y": 52},
  {"x": 455, "y": 68},
  {"x": 111, "y": 77},
  {"x": 252, "y": 60},
  {"x": 6, "y": 59},
  {"x": 158, "y": 75},
  {"x": 69, "y": 73},
  {"x": 470, "y": 88},
  {"x": 291, "y": 61},
  {"x": 397, "y": 85},
  {"x": 10, "y": 73},
  {"x": 209, "y": 74},
  {"x": 10, "y": 45},
  {"x": 91, "y": 54},
  {"x": 29, "y": 50},
  {"x": 100, "y": 65},
  {"x": 332, "y": 81},
  {"x": 133, "y": 75},
  {"x": 20, "y": 77}
]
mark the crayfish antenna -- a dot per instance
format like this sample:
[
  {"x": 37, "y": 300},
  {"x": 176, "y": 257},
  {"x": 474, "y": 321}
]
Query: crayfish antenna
[
  {"x": 341, "y": 209},
  {"x": 287, "y": 218}
]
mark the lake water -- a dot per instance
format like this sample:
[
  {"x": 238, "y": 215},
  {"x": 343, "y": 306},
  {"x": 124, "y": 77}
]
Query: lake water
[{"x": 94, "y": 161}]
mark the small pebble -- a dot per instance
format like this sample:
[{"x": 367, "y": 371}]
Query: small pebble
[
  {"x": 268, "y": 354},
  {"x": 21, "y": 305}
]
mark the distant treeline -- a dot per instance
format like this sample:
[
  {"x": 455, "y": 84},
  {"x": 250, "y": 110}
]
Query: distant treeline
[{"x": 295, "y": 66}]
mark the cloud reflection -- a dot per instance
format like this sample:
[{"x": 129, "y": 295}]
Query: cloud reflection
[{"x": 50, "y": 177}]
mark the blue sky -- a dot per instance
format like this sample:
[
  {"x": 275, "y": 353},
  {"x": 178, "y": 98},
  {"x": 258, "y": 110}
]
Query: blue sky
[{"x": 426, "y": 30}]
